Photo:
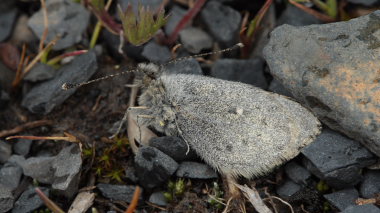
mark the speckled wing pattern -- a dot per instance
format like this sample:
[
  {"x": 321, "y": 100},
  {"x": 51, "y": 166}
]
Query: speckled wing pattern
[{"x": 237, "y": 128}]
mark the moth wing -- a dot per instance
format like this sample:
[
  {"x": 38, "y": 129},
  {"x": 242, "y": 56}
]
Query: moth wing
[{"x": 237, "y": 128}]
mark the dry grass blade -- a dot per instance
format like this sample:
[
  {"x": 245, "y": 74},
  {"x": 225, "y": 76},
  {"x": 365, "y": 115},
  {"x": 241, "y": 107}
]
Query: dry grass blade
[
  {"x": 46, "y": 25},
  {"x": 135, "y": 200},
  {"x": 22, "y": 127},
  {"x": 312, "y": 12},
  {"x": 49, "y": 203},
  {"x": 255, "y": 199},
  {"x": 68, "y": 137}
]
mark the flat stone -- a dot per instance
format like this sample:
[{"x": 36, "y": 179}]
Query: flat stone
[
  {"x": 5, "y": 151},
  {"x": 117, "y": 192},
  {"x": 297, "y": 173},
  {"x": 29, "y": 201},
  {"x": 292, "y": 15},
  {"x": 6, "y": 199},
  {"x": 158, "y": 198},
  {"x": 370, "y": 185},
  {"x": 174, "y": 147},
  {"x": 176, "y": 14},
  {"x": 195, "y": 170},
  {"x": 337, "y": 159},
  {"x": 156, "y": 53},
  {"x": 332, "y": 69},
  {"x": 288, "y": 188},
  {"x": 7, "y": 20},
  {"x": 22, "y": 146},
  {"x": 67, "y": 166},
  {"x": 222, "y": 22},
  {"x": 194, "y": 39},
  {"x": 343, "y": 199},
  {"x": 188, "y": 66},
  {"x": 369, "y": 208},
  {"x": 43, "y": 97},
  {"x": 40, "y": 72},
  {"x": 249, "y": 71},
  {"x": 153, "y": 167},
  {"x": 68, "y": 20},
  {"x": 10, "y": 175},
  {"x": 39, "y": 168}
]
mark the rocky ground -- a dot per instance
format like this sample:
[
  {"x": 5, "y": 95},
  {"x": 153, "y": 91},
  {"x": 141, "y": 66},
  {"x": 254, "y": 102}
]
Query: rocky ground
[{"x": 330, "y": 68}]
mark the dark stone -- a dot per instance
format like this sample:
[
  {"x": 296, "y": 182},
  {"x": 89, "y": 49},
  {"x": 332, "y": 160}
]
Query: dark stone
[
  {"x": 7, "y": 77},
  {"x": 39, "y": 168},
  {"x": 70, "y": 22},
  {"x": 176, "y": 14},
  {"x": 188, "y": 66},
  {"x": 195, "y": 40},
  {"x": 22, "y": 146},
  {"x": 367, "y": 3},
  {"x": 297, "y": 173},
  {"x": 4, "y": 99},
  {"x": 339, "y": 79},
  {"x": 67, "y": 167},
  {"x": 5, "y": 151},
  {"x": 343, "y": 199},
  {"x": 17, "y": 160},
  {"x": 174, "y": 147},
  {"x": 29, "y": 201},
  {"x": 156, "y": 53},
  {"x": 153, "y": 167},
  {"x": 10, "y": 175},
  {"x": 130, "y": 174},
  {"x": 369, "y": 208},
  {"x": 337, "y": 159},
  {"x": 158, "y": 198},
  {"x": 40, "y": 72},
  {"x": 117, "y": 192},
  {"x": 276, "y": 87},
  {"x": 195, "y": 170},
  {"x": 222, "y": 21},
  {"x": 370, "y": 185},
  {"x": 245, "y": 71},
  {"x": 6, "y": 199},
  {"x": 292, "y": 15},
  {"x": 288, "y": 188},
  {"x": 43, "y": 97},
  {"x": 7, "y": 20}
]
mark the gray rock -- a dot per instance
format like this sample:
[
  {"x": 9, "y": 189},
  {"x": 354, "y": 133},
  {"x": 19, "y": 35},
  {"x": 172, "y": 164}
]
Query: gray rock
[
  {"x": 45, "y": 96},
  {"x": 156, "y": 53},
  {"x": 194, "y": 39},
  {"x": 365, "y": 2},
  {"x": 222, "y": 21},
  {"x": 188, "y": 66},
  {"x": 277, "y": 87},
  {"x": 22, "y": 146},
  {"x": 153, "y": 167},
  {"x": 176, "y": 14},
  {"x": 40, "y": 72},
  {"x": 330, "y": 68},
  {"x": 67, "y": 166},
  {"x": 369, "y": 208},
  {"x": 195, "y": 170},
  {"x": 5, "y": 151},
  {"x": 158, "y": 198},
  {"x": 7, "y": 20},
  {"x": 288, "y": 188},
  {"x": 337, "y": 159},
  {"x": 29, "y": 201},
  {"x": 17, "y": 160},
  {"x": 117, "y": 192},
  {"x": 294, "y": 16},
  {"x": 6, "y": 199},
  {"x": 297, "y": 173},
  {"x": 246, "y": 71},
  {"x": 343, "y": 199},
  {"x": 370, "y": 184},
  {"x": 174, "y": 147},
  {"x": 39, "y": 168},
  {"x": 70, "y": 22},
  {"x": 10, "y": 175}
]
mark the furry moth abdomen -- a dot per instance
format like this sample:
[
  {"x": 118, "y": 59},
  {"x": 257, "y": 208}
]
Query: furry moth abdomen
[{"x": 236, "y": 128}]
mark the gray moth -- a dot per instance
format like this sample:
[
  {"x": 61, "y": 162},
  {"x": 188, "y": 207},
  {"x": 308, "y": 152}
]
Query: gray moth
[{"x": 238, "y": 129}]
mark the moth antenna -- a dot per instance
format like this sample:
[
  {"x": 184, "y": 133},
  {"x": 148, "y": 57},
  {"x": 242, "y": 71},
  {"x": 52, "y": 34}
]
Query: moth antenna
[
  {"x": 67, "y": 86},
  {"x": 238, "y": 45}
]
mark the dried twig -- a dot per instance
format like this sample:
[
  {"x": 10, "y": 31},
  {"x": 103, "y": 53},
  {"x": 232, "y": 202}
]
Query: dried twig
[
  {"x": 22, "y": 127},
  {"x": 46, "y": 25},
  {"x": 135, "y": 200},
  {"x": 255, "y": 199}
]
